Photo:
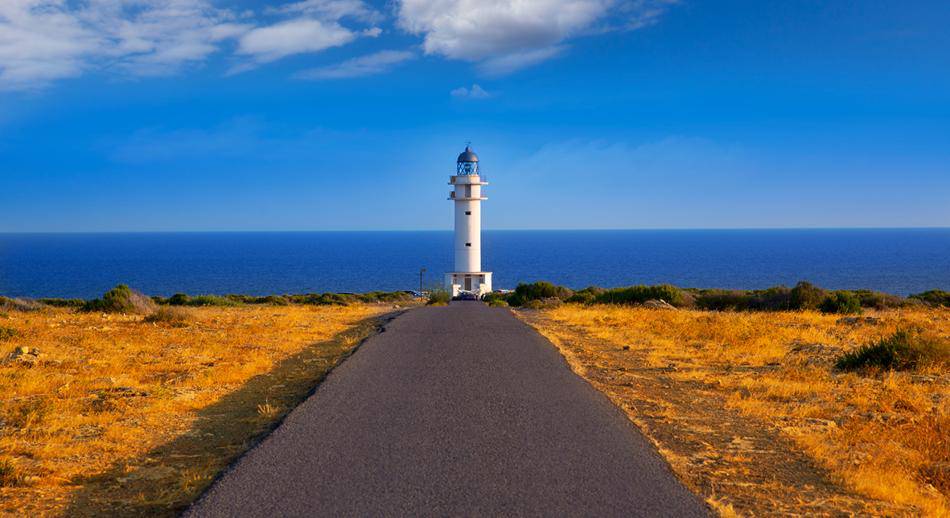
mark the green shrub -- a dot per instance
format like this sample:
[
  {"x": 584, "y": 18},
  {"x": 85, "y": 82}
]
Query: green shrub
[
  {"x": 8, "y": 304},
  {"x": 904, "y": 350},
  {"x": 439, "y": 297},
  {"x": 587, "y": 295},
  {"x": 212, "y": 300},
  {"x": 179, "y": 299},
  {"x": 491, "y": 298},
  {"x": 540, "y": 290},
  {"x": 805, "y": 295},
  {"x": 121, "y": 299},
  {"x": 497, "y": 303},
  {"x": 877, "y": 300},
  {"x": 843, "y": 302},
  {"x": 323, "y": 299},
  {"x": 933, "y": 298},
  {"x": 63, "y": 303},
  {"x": 385, "y": 296},
  {"x": 777, "y": 298},
  {"x": 641, "y": 294}
]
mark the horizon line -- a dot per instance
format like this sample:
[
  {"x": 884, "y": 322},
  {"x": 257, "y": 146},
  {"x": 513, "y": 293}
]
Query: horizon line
[{"x": 301, "y": 231}]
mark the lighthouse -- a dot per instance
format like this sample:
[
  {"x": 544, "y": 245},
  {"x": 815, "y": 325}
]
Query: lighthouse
[{"x": 466, "y": 194}]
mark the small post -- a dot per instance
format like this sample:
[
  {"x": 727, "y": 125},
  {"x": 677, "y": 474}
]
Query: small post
[{"x": 422, "y": 273}]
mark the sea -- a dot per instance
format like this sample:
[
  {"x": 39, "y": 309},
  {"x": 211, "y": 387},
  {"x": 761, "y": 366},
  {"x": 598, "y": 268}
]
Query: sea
[{"x": 899, "y": 261}]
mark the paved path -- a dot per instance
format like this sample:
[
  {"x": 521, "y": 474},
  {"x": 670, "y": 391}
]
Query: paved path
[{"x": 459, "y": 410}]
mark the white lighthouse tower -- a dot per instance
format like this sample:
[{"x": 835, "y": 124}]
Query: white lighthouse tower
[{"x": 468, "y": 276}]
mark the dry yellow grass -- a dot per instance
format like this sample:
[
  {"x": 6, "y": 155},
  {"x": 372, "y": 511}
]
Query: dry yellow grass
[
  {"x": 121, "y": 416},
  {"x": 751, "y": 413}
]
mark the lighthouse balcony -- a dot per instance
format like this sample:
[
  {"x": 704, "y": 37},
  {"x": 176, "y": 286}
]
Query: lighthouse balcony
[
  {"x": 468, "y": 180},
  {"x": 453, "y": 197}
]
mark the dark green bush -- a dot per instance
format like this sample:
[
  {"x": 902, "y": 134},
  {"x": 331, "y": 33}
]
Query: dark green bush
[
  {"x": 121, "y": 299},
  {"x": 805, "y": 295},
  {"x": 538, "y": 291},
  {"x": 179, "y": 299},
  {"x": 777, "y": 298},
  {"x": 933, "y": 298},
  {"x": 904, "y": 350},
  {"x": 877, "y": 300},
  {"x": 843, "y": 302},
  {"x": 587, "y": 295},
  {"x": 493, "y": 297},
  {"x": 641, "y": 294},
  {"x": 211, "y": 300}
]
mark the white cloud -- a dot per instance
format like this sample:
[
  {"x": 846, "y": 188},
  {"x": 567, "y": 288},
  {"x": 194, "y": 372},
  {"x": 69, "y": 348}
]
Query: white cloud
[
  {"x": 45, "y": 40},
  {"x": 297, "y": 36},
  {"x": 332, "y": 10},
  {"x": 369, "y": 64},
  {"x": 42, "y": 41},
  {"x": 504, "y": 35},
  {"x": 475, "y": 92}
]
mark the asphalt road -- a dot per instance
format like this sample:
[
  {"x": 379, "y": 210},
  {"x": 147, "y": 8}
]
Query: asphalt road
[{"x": 459, "y": 410}]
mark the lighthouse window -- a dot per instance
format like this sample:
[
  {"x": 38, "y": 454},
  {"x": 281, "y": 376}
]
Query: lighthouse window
[
  {"x": 468, "y": 213},
  {"x": 468, "y": 244}
]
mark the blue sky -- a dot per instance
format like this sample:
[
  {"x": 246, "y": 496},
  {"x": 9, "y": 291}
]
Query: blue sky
[{"x": 147, "y": 115}]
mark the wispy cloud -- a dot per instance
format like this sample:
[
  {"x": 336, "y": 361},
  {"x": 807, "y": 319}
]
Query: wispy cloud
[
  {"x": 46, "y": 40},
  {"x": 370, "y": 64},
  {"x": 266, "y": 44},
  {"x": 475, "y": 92},
  {"x": 507, "y": 35},
  {"x": 42, "y": 41}
]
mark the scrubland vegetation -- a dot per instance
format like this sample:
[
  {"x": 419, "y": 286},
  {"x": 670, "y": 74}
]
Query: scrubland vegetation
[
  {"x": 127, "y": 405},
  {"x": 764, "y": 409},
  {"x": 803, "y": 296}
]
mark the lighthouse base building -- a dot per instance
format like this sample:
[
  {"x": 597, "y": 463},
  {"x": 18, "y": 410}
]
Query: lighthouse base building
[{"x": 468, "y": 277}]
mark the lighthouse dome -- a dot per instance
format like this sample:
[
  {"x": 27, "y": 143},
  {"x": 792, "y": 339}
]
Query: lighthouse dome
[{"x": 468, "y": 155}]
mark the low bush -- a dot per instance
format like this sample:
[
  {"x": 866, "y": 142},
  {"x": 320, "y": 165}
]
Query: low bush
[
  {"x": 121, "y": 299},
  {"x": 904, "y": 350},
  {"x": 877, "y": 300},
  {"x": 540, "y": 290},
  {"x": 843, "y": 302},
  {"x": 806, "y": 295},
  {"x": 497, "y": 303},
  {"x": 933, "y": 298},
  {"x": 8, "y": 304},
  {"x": 439, "y": 297},
  {"x": 587, "y": 295},
  {"x": 173, "y": 315},
  {"x": 777, "y": 298},
  {"x": 63, "y": 303},
  {"x": 212, "y": 300},
  {"x": 641, "y": 294},
  {"x": 548, "y": 303},
  {"x": 385, "y": 296}
]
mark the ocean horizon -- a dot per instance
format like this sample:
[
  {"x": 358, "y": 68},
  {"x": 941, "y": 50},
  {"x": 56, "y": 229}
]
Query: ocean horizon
[{"x": 894, "y": 260}]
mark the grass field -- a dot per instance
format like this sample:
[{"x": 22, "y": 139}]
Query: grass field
[
  {"x": 751, "y": 412},
  {"x": 109, "y": 414}
]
